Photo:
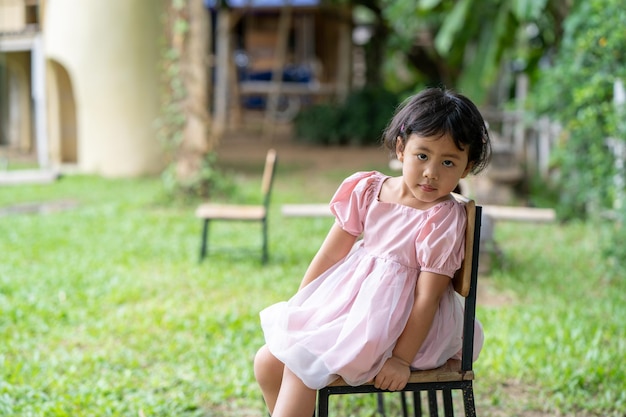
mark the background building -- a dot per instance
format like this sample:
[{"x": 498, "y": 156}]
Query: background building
[
  {"x": 79, "y": 79},
  {"x": 79, "y": 84}
]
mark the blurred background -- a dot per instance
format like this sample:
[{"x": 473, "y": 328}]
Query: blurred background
[
  {"x": 126, "y": 88},
  {"x": 117, "y": 117}
]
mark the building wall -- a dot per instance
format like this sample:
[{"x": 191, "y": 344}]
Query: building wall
[
  {"x": 110, "y": 51},
  {"x": 13, "y": 16}
]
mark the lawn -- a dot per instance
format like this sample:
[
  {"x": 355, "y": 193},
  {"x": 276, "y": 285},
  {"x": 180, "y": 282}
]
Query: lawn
[{"x": 105, "y": 310}]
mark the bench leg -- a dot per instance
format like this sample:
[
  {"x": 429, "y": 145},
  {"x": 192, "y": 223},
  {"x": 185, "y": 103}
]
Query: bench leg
[{"x": 204, "y": 239}]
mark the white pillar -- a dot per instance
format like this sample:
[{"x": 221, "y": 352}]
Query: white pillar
[{"x": 38, "y": 74}]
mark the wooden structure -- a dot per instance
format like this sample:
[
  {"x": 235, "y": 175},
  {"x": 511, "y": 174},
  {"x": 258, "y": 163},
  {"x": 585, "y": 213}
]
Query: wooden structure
[
  {"x": 453, "y": 375},
  {"x": 266, "y": 36}
]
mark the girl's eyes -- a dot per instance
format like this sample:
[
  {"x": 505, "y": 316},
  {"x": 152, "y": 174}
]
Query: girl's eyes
[{"x": 424, "y": 157}]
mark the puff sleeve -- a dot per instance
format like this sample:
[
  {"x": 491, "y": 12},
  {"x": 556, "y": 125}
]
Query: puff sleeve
[
  {"x": 440, "y": 243},
  {"x": 352, "y": 199}
]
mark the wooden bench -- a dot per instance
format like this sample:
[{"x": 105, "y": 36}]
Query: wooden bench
[{"x": 504, "y": 213}]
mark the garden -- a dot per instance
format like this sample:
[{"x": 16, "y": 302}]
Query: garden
[{"x": 105, "y": 310}]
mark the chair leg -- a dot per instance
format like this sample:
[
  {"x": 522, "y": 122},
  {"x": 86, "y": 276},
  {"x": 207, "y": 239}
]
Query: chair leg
[
  {"x": 448, "y": 408},
  {"x": 265, "y": 255},
  {"x": 204, "y": 239},
  {"x": 322, "y": 403},
  {"x": 468, "y": 401},
  {"x": 432, "y": 403}
]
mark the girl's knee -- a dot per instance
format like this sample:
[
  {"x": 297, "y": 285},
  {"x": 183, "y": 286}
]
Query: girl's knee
[
  {"x": 266, "y": 366},
  {"x": 262, "y": 358}
]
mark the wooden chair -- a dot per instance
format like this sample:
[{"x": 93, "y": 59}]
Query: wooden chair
[
  {"x": 241, "y": 212},
  {"x": 455, "y": 374}
]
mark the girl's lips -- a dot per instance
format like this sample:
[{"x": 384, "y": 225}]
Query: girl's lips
[{"x": 427, "y": 188}]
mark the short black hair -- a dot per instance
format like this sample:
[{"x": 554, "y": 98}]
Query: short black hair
[{"x": 438, "y": 111}]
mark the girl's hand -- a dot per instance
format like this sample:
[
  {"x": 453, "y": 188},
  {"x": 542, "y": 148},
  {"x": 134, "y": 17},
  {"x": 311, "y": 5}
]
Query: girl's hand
[{"x": 394, "y": 374}]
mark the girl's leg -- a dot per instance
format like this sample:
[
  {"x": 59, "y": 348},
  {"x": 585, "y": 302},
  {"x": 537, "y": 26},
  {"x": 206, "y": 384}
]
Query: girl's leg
[
  {"x": 294, "y": 399},
  {"x": 268, "y": 372}
]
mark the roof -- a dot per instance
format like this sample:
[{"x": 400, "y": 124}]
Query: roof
[{"x": 264, "y": 3}]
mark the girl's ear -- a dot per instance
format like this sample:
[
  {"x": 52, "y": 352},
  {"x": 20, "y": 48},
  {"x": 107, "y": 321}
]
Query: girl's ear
[{"x": 399, "y": 149}]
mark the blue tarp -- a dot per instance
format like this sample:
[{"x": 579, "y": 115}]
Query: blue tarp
[{"x": 264, "y": 3}]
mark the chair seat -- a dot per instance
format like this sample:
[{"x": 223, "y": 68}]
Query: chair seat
[
  {"x": 450, "y": 371},
  {"x": 230, "y": 212}
]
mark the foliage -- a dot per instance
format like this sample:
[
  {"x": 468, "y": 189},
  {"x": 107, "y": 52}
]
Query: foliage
[
  {"x": 319, "y": 124},
  {"x": 105, "y": 310},
  {"x": 467, "y": 44},
  {"x": 578, "y": 91},
  {"x": 208, "y": 181},
  {"x": 360, "y": 120},
  {"x": 613, "y": 248},
  {"x": 366, "y": 113}
]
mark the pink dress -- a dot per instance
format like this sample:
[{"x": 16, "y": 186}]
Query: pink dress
[{"x": 347, "y": 321}]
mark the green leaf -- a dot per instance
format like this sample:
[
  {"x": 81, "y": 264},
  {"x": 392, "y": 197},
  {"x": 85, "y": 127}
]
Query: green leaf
[
  {"x": 525, "y": 10},
  {"x": 483, "y": 65},
  {"x": 451, "y": 26},
  {"x": 428, "y": 4},
  {"x": 181, "y": 26}
]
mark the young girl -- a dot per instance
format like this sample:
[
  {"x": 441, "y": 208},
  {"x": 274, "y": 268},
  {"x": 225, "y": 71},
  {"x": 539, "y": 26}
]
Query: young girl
[{"x": 376, "y": 308}]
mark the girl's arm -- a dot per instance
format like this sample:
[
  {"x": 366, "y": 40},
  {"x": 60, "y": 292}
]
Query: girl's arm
[
  {"x": 428, "y": 292},
  {"x": 336, "y": 246}
]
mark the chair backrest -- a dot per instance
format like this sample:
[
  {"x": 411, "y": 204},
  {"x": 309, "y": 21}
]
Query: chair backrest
[
  {"x": 462, "y": 277},
  {"x": 465, "y": 279},
  {"x": 268, "y": 176}
]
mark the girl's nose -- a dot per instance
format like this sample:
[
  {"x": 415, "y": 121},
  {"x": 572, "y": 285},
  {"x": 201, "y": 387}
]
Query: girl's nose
[{"x": 430, "y": 172}]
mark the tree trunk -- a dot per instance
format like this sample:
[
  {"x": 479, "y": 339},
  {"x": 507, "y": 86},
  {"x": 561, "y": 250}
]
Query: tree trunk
[
  {"x": 375, "y": 51},
  {"x": 196, "y": 141}
]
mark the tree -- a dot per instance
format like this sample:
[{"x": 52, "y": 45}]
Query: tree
[
  {"x": 577, "y": 90},
  {"x": 184, "y": 126},
  {"x": 463, "y": 44}
]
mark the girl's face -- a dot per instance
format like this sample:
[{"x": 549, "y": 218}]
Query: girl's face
[{"x": 431, "y": 166}]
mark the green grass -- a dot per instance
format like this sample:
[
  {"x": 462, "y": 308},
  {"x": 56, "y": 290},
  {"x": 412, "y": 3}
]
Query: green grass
[
  {"x": 565, "y": 334},
  {"x": 105, "y": 311}
]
